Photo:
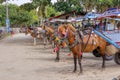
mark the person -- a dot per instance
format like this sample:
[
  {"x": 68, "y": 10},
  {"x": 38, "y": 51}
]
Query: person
[
  {"x": 83, "y": 23},
  {"x": 97, "y": 25},
  {"x": 100, "y": 25},
  {"x": 88, "y": 23},
  {"x": 104, "y": 25}
]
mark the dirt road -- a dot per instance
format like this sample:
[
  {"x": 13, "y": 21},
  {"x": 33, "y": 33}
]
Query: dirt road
[{"x": 20, "y": 60}]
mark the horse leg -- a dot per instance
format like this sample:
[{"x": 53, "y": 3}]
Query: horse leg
[
  {"x": 75, "y": 63},
  {"x": 34, "y": 41},
  {"x": 53, "y": 44},
  {"x": 45, "y": 41},
  {"x": 79, "y": 62},
  {"x": 57, "y": 56},
  {"x": 103, "y": 63}
]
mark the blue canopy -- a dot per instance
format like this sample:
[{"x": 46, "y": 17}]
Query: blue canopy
[{"x": 91, "y": 15}]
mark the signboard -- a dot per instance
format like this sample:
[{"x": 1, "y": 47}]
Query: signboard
[{"x": 7, "y": 25}]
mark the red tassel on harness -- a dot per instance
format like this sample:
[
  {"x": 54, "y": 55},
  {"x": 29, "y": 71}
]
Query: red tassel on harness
[
  {"x": 81, "y": 53},
  {"x": 56, "y": 49},
  {"x": 69, "y": 54}
]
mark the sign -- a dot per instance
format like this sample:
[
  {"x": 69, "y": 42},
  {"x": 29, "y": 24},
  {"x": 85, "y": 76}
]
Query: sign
[{"x": 7, "y": 25}]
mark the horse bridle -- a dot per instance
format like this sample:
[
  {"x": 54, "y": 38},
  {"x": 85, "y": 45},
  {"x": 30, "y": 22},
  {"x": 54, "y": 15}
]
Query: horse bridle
[{"x": 65, "y": 38}]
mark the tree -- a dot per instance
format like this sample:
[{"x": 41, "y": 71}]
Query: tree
[
  {"x": 49, "y": 11},
  {"x": 100, "y": 5},
  {"x": 62, "y": 6},
  {"x": 1, "y": 1},
  {"x": 2, "y": 15},
  {"x": 16, "y": 15},
  {"x": 42, "y": 4},
  {"x": 13, "y": 13},
  {"x": 34, "y": 17},
  {"x": 28, "y": 6},
  {"x": 68, "y": 6}
]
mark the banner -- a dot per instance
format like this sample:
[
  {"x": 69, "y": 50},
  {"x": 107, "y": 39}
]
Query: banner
[{"x": 7, "y": 25}]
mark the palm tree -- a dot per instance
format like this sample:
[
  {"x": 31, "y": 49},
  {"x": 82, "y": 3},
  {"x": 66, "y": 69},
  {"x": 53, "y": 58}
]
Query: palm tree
[{"x": 41, "y": 4}]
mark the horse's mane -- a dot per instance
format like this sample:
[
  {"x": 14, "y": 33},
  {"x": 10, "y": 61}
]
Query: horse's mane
[
  {"x": 49, "y": 30},
  {"x": 70, "y": 26},
  {"x": 60, "y": 27}
]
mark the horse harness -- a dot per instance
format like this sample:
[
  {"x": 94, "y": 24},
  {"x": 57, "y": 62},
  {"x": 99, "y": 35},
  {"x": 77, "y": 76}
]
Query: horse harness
[{"x": 76, "y": 42}]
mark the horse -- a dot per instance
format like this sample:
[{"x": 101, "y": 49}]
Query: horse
[
  {"x": 35, "y": 33},
  {"x": 48, "y": 33},
  {"x": 53, "y": 36},
  {"x": 58, "y": 43},
  {"x": 80, "y": 45}
]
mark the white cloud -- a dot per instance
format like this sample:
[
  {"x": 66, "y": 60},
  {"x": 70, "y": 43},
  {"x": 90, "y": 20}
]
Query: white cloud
[
  {"x": 53, "y": 1},
  {"x": 20, "y": 2}
]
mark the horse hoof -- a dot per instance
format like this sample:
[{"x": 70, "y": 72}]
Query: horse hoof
[
  {"x": 80, "y": 73},
  {"x": 57, "y": 60},
  {"x": 103, "y": 68},
  {"x": 74, "y": 71}
]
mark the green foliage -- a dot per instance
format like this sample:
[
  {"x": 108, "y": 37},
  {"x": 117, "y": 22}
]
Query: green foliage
[
  {"x": 1, "y": 1},
  {"x": 100, "y": 5},
  {"x": 49, "y": 11},
  {"x": 61, "y": 6},
  {"x": 67, "y": 6},
  {"x": 42, "y": 4},
  {"x": 58, "y": 13},
  {"x": 33, "y": 16},
  {"x": 17, "y": 16},
  {"x": 2, "y": 15},
  {"x": 28, "y": 6},
  {"x": 13, "y": 13}
]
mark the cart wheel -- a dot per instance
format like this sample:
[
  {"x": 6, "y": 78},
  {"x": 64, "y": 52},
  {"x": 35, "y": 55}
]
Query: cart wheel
[
  {"x": 108, "y": 57},
  {"x": 117, "y": 58},
  {"x": 96, "y": 53}
]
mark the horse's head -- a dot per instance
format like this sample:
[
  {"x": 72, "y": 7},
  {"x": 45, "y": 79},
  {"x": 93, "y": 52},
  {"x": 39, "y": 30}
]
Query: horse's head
[
  {"x": 28, "y": 30},
  {"x": 47, "y": 30},
  {"x": 66, "y": 30},
  {"x": 62, "y": 30}
]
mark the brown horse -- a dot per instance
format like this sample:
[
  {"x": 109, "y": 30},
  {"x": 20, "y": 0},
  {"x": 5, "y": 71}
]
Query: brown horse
[
  {"x": 48, "y": 34},
  {"x": 77, "y": 46},
  {"x": 52, "y": 34}
]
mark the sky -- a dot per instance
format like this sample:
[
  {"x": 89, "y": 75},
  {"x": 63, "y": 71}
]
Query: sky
[{"x": 20, "y": 2}]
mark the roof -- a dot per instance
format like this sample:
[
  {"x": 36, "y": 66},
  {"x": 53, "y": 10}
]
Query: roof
[
  {"x": 111, "y": 12},
  {"x": 66, "y": 15},
  {"x": 91, "y": 15}
]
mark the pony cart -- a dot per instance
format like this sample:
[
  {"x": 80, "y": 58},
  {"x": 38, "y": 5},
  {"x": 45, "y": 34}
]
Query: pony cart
[{"x": 111, "y": 33}]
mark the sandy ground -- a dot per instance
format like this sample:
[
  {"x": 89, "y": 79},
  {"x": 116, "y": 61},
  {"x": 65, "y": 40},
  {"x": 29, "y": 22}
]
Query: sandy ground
[{"x": 20, "y": 60}]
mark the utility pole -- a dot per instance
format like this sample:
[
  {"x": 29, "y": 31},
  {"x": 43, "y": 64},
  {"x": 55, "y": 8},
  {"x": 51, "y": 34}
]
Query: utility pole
[{"x": 7, "y": 18}]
